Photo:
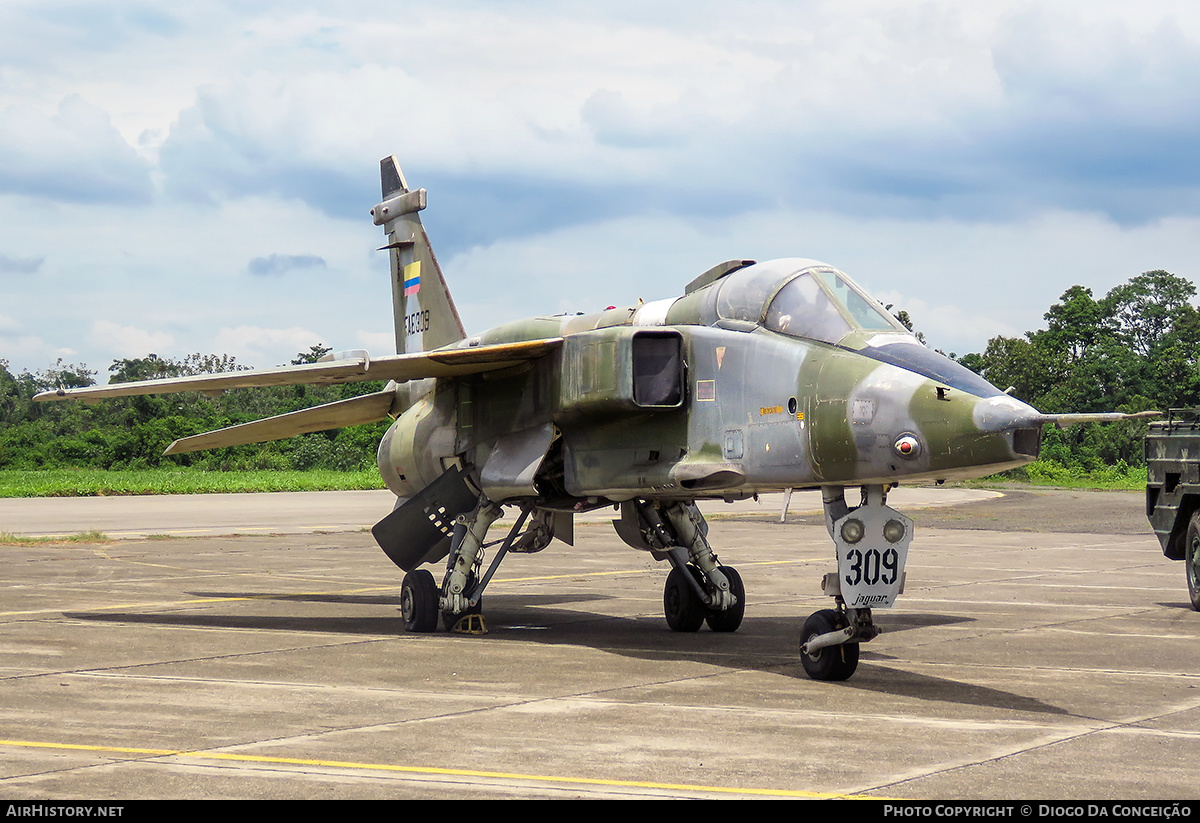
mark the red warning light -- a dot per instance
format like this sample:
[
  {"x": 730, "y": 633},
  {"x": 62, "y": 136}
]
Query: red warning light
[{"x": 907, "y": 446}]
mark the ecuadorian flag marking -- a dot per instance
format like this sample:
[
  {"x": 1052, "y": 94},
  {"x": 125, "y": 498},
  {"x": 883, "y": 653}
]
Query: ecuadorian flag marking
[{"x": 412, "y": 278}]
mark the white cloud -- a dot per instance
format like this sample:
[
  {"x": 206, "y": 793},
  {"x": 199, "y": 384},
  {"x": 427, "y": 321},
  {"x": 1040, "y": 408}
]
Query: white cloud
[
  {"x": 944, "y": 322},
  {"x": 73, "y": 155},
  {"x": 274, "y": 264},
  {"x": 129, "y": 341},
  {"x": 254, "y": 345},
  {"x": 867, "y": 106},
  {"x": 960, "y": 156},
  {"x": 376, "y": 343},
  {"x": 27, "y": 351},
  {"x": 8, "y": 325}
]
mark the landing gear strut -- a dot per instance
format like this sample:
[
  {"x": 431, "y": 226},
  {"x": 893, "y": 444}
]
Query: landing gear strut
[
  {"x": 699, "y": 589},
  {"x": 461, "y": 594},
  {"x": 872, "y": 543},
  {"x": 459, "y": 600}
]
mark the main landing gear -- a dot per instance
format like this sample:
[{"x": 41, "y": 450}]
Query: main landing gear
[
  {"x": 699, "y": 589},
  {"x": 458, "y": 602},
  {"x": 872, "y": 543},
  {"x": 684, "y": 605}
]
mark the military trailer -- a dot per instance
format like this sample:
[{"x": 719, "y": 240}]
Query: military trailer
[{"x": 1173, "y": 490}]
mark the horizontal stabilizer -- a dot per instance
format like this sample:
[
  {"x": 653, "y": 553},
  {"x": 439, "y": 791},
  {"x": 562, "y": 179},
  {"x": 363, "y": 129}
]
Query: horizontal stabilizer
[
  {"x": 353, "y": 411},
  {"x": 448, "y": 362}
]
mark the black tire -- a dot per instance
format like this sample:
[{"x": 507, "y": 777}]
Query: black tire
[
  {"x": 1191, "y": 559},
  {"x": 682, "y": 607},
  {"x": 831, "y": 662},
  {"x": 419, "y": 601},
  {"x": 730, "y": 619}
]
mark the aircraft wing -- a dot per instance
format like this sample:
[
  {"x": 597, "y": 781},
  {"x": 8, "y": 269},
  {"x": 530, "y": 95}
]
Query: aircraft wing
[{"x": 449, "y": 362}]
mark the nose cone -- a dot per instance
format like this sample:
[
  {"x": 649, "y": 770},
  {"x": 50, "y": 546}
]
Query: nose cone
[
  {"x": 967, "y": 436},
  {"x": 991, "y": 429},
  {"x": 1003, "y": 413},
  {"x": 1006, "y": 420}
]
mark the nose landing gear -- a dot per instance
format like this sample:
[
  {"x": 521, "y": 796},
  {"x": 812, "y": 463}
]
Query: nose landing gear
[{"x": 872, "y": 543}]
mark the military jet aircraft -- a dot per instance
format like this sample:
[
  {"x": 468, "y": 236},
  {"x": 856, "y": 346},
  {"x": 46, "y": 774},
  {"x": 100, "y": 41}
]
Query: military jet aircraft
[{"x": 761, "y": 377}]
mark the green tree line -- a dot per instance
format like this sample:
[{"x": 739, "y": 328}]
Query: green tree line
[
  {"x": 132, "y": 432},
  {"x": 1135, "y": 348}
]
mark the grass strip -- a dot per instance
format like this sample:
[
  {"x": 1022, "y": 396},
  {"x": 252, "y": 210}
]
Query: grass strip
[
  {"x": 1050, "y": 473},
  {"x": 98, "y": 482},
  {"x": 92, "y": 536}
]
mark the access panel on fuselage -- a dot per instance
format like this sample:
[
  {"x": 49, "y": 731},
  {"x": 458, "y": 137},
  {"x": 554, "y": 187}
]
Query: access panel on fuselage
[
  {"x": 623, "y": 409},
  {"x": 748, "y": 407}
]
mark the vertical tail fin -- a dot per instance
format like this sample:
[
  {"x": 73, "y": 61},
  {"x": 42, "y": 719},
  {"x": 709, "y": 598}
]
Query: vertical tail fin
[{"x": 421, "y": 304}]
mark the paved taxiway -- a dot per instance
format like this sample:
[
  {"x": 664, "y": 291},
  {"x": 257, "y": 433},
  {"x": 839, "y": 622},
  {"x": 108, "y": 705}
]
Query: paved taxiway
[
  {"x": 1018, "y": 664},
  {"x": 194, "y": 515}
]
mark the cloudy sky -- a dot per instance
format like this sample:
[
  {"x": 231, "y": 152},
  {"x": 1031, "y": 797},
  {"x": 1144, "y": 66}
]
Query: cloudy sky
[{"x": 197, "y": 176}]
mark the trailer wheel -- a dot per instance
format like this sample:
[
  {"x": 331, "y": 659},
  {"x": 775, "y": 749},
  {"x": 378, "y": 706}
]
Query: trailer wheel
[{"x": 1191, "y": 559}]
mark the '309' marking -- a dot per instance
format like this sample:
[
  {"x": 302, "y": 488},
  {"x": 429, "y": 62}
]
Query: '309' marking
[
  {"x": 416, "y": 322},
  {"x": 872, "y": 566}
]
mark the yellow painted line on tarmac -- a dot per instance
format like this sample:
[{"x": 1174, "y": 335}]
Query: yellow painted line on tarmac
[
  {"x": 432, "y": 770},
  {"x": 218, "y": 531},
  {"x": 194, "y": 601}
]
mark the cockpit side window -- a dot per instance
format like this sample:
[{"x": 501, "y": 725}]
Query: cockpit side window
[
  {"x": 803, "y": 309},
  {"x": 744, "y": 292}
]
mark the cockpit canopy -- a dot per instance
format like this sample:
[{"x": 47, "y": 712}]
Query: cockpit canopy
[
  {"x": 814, "y": 301},
  {"x": 802, "y": 298}
]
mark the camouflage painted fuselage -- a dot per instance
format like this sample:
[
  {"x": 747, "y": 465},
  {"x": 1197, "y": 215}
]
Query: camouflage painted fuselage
[{"x": 727, "y": 391}]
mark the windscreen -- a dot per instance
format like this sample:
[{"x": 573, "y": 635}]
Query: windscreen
[
  {"x": 866, "y": 313},
  {"x": 823, "y": 304},
  {"x": 803, "y": 309}
]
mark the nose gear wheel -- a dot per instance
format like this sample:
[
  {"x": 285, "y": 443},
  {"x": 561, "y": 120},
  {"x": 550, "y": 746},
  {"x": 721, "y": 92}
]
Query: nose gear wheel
[{"x": 832, "y": 662}]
